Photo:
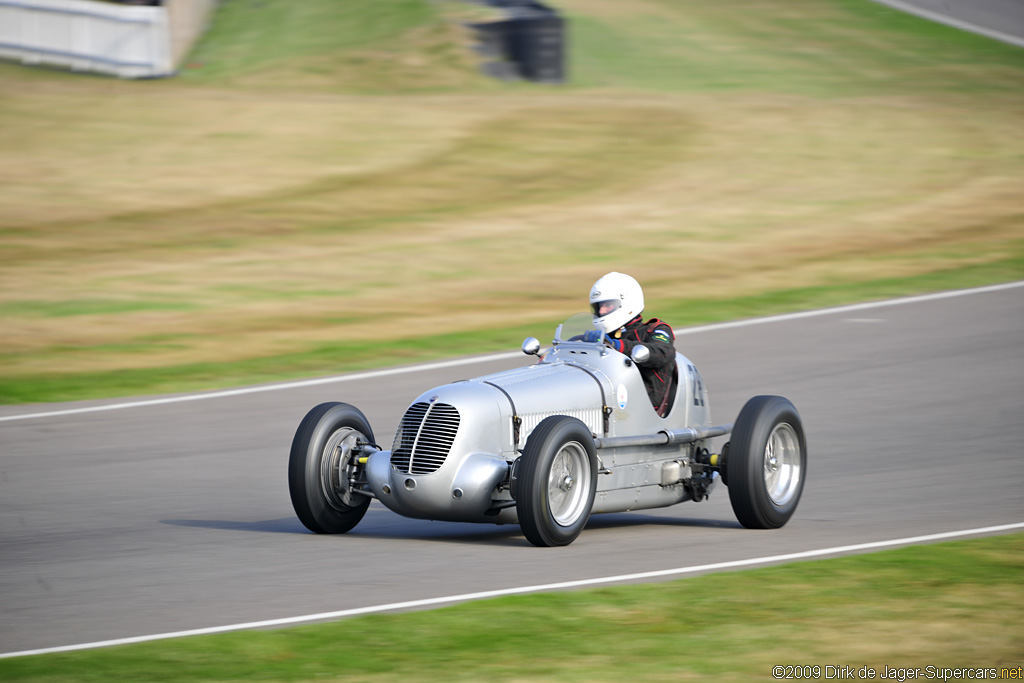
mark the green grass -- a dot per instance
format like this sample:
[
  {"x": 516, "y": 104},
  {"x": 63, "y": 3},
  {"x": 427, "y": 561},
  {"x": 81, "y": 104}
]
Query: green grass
[
  {"x": 384, "y": 46},
  {"x": 320, "y": 168},
  {"x": 85, "y": 306},
  {"x": 958, "y": 604},
  {"x": 822, "y": 48}
]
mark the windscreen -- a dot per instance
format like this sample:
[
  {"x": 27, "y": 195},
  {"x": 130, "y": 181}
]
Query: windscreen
[{"x": 575, "y": 326}]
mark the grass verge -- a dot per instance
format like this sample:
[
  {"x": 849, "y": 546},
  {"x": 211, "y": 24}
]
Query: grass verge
[{"x": 955, "y": 605}]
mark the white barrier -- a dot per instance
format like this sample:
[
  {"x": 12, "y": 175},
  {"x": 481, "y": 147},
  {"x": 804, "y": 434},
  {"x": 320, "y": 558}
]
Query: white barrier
[
  {"x": 126, "y": 40},
  {"x": 186, "y": 21}
]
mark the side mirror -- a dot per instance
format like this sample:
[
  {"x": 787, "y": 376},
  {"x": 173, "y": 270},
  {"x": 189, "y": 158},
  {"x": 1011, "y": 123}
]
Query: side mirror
[
  {"x": 531, "y": 346},
  {"x": 640, "y": 354}
]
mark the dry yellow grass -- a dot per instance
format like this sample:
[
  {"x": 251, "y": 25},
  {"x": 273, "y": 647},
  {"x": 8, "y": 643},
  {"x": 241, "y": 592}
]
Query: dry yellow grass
[
  {"x": 148, "y": 225},
  {"x": 454, "y": 211}
]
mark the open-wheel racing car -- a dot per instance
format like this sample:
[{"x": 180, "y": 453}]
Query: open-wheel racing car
[{"x": 547, "y": 445}]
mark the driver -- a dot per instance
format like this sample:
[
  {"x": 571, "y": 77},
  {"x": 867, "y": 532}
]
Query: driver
[{"x": 617, "y": 302}]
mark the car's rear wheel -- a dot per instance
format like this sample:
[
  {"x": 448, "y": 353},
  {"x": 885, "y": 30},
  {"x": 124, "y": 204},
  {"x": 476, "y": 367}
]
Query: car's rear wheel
[
  {"x": 324, "y": 457},
  {"x": 556, "y": 481},
  {"x": 767, "y": 462}
]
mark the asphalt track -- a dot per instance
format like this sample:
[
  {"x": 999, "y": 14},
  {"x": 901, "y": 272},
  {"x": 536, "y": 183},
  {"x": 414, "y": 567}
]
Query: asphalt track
[
  {"x": 999, "y": 19},
  {"x": 174, "y": 515}
]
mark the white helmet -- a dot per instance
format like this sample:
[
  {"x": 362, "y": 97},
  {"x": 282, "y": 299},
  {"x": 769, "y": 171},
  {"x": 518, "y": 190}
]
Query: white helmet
[{"x": 615, "y": 299}]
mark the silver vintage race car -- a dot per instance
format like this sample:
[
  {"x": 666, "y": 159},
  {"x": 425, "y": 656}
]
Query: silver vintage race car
[{"x": 547, "y": 445}]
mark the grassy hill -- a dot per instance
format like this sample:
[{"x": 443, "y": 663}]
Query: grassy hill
[{"x": 319, "y": 167}]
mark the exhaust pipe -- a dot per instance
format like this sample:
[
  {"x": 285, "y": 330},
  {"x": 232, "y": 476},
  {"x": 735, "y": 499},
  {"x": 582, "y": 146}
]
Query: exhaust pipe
[{"x": 663, "y": 438}]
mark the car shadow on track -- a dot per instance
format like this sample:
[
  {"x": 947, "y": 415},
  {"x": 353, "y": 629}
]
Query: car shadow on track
[
  {"x": 371, "y": 530},
  {"x": 285, "y": 525},
  {"x": 625, "y": 519},
  {"x": 396, "y": 528},
  {"x": 510, "y": 535}
]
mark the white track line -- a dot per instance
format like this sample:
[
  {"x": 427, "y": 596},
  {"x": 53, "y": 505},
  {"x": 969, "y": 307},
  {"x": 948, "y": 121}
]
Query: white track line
[
  {"x": 564, "y": 585},
  {"x": 853, "y": 308},
  {"x": 373, "y": 374},
  {"x": 266, "y": 387}
]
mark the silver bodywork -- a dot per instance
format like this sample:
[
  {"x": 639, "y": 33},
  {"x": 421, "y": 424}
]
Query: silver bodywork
[{"x": 454, "y": 455}]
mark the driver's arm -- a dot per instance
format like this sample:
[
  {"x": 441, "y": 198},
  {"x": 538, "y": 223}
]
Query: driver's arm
[{"x": 658, "y": 340}]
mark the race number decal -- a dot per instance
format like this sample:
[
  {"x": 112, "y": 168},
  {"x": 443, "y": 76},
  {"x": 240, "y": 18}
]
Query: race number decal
[{"x": 698, "y": 386}]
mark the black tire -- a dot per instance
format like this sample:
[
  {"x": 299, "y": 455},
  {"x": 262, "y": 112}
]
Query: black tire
[
  {"x": 319, "y": 465},
  {"x": 556, "y": 481},
  {"x": 767, "y": 463}
]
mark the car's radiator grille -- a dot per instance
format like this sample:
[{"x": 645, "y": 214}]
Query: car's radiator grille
[{"x": 424, "y": 437}]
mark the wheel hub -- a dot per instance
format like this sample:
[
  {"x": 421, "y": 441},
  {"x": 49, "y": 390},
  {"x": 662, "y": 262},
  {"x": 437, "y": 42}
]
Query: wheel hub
[
  {"x": 567, "y": 501},
  {"x": 782, "y": 464},
  {"x": 335, "y": 467},
  {"x": 771, "y": 461}
]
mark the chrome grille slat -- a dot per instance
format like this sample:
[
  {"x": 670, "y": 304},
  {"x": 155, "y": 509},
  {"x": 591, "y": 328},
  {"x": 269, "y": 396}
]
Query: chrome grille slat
[{"x": 425, "y": 436}]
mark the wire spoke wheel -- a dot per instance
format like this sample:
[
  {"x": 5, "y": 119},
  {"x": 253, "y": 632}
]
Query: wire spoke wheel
[
  {"x": 322, "y": 465},
  {"x": 557, "y": 481},
  {"x": 767, "y": 462}
]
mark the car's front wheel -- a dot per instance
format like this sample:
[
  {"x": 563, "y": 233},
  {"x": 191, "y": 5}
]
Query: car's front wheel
[
  {"x": 556, "y": 481},
  {"x": 767, "y": 462},
  {"x": 324, "y": 456}
]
